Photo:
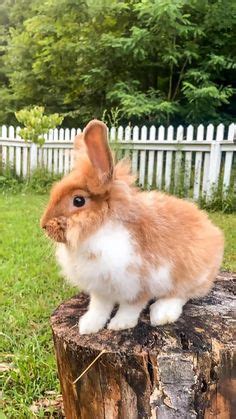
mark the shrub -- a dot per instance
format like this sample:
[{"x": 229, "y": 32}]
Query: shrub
[
  {"x": 39, "y": 182},
  {"x": 36, "y": 123}
]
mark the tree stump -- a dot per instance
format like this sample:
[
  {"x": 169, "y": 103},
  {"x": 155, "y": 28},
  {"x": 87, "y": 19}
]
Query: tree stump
[{"x": 182, "y": 370}]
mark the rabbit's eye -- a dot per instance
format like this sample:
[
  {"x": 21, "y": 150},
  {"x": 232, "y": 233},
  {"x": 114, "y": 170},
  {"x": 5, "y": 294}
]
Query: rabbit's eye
[{"x": 78, "y": 201}]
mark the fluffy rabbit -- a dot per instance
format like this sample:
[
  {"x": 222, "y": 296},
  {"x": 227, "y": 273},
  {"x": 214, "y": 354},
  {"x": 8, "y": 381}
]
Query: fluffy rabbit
[{"x": 121, "y": 245}]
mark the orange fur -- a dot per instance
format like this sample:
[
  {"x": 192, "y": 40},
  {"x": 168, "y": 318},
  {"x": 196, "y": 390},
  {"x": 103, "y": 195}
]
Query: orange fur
[{"x": 163, "y": 227}]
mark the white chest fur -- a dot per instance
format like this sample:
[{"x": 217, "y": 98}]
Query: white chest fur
[{"x": 105, "y": 263}]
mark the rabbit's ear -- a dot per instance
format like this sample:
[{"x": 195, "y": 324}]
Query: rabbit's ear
[{"x": 95, "y": 138}]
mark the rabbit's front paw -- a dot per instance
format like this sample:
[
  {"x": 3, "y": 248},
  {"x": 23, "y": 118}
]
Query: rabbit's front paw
[
  {"x": 122, "y": 322},
  {"x": 90, "y": 323},
  {"x": 126, "y": 317},
  {"x": 166, "y": 310}
]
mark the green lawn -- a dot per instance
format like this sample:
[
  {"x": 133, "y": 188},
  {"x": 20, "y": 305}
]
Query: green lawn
[{"x": 31, "y": 288}]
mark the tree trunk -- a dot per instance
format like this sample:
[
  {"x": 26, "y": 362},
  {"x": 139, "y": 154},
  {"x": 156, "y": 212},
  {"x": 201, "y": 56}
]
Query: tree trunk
[{"x": 182, "y": 370}]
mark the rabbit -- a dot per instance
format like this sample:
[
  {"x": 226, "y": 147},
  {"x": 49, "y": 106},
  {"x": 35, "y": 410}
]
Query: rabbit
[{"x": 125, "y": 246}]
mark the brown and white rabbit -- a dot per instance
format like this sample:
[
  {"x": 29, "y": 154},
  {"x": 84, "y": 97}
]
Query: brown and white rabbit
[{"x": 121, "y": 245}]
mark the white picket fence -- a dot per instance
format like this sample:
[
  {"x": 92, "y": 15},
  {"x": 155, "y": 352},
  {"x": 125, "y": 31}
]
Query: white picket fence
[{"x": 164, "y": 158}]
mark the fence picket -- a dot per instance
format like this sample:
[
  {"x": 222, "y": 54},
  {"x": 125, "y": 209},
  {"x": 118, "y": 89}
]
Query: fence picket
[
  {"x": 4, "y": 131},
  {"x": 168, "y": 168},
  {"x": 120, "y": 133},
  {"x": 198, "y": 165},
  {"x": 135, "y": 152},
  {"x": 4, "y": 148},
  {"x": 55, "y": 152},
  {"x": 50, "y": 135},
  {"x": 4, "y": 157},
  {"x": 188, "y": 161},
  {"x": 45, "y": 155},
  {"x": 49, "y": 160},
  {"x": 55, "y": 135},
  {"x": 11, "y": 157},
  {"x": 60, "y": 160},
  {"x": 61, "y": 134},
  {"x": 231, "y": 132},
  {"x": 200, "y": 132},
  {"x": 151, "y": 156},
  {"x": 142, "y": 157},
  {"x": 68, "y": 133},
  {"x": 71, "y": 159},
  {"x": 55, "y": 161},
  {"x": 40, "y": 157},
  {"x": 127, "y": 133},
  {"x": 67, "y": 161},
  {"x": 206, "y": 166},
  {"x": 72, "y": 134},
  {"x": 197, "y": 175},
  {"x": 33, "y": 157},
  {"x": 210, "y": 132},
  {"x": 119, "y": 139},
  {"x": 160, "y": 156},
  {"x": 227, "y": 171},
  {"x": 127, "y": 140},
  {"x": 228, "y": 160},
  {"x": 25, "y": 161},
  {"x": 215, "y": 160},
  {"x": 18, "y": 161},
  {"x": 159, "y": 169},
  {"x": 112, "y": 135},
  {"x": 178, "y": 157},
  {"x": 11, "y": 132}
]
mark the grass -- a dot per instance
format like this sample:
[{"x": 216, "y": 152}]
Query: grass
[
  {"x": 31, "y": 288},
  {"x": 227, "y": 222}
]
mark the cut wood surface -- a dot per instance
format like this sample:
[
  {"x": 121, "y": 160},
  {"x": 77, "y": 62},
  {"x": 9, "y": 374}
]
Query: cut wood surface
[{"x": 182, "y": 370}]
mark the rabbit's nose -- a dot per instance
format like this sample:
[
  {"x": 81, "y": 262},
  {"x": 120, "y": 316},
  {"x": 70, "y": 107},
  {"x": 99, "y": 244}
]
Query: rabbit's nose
[
  {"x": 44, "y": 226},
  {"x": 56, "y": 228},
  {"x": 43, "y": 223}
]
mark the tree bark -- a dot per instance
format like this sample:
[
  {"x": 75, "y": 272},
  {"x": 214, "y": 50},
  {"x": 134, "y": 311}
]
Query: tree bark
[{"x": 182, "y": 370}]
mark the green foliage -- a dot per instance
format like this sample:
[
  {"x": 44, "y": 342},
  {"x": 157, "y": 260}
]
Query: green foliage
[
  {"x": 112, "y": 118},
  {"x": 205, "y": 99},
  {"x": 134, "y": 102},
  {"x": 224, "y": 202},
  {"x": 36, "y": 123},
  {"x": 39, "y": 182},
  {"x": 166, "y": 61}
]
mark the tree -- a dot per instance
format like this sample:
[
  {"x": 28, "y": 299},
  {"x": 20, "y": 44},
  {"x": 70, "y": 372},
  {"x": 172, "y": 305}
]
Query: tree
[{"x": 156, "y": 60}]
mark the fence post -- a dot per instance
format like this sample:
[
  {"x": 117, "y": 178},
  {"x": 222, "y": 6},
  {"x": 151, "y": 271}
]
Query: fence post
[
  {"x": 228, "y": 160},
  {"x": 142, "y": 167},
  {"x": 33, "y": 157},
  {"x": 198, "y": 165},
  {"x": 4, "y": 148},
  {"x": 214, "y": 166}
]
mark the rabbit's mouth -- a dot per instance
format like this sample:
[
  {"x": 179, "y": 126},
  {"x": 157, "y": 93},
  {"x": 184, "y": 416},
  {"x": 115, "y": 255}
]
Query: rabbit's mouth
[{"x": 56, "y": 229}]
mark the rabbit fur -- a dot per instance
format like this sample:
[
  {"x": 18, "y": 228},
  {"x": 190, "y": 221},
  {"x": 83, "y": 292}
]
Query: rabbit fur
[{"x": 126, "y": 246}]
